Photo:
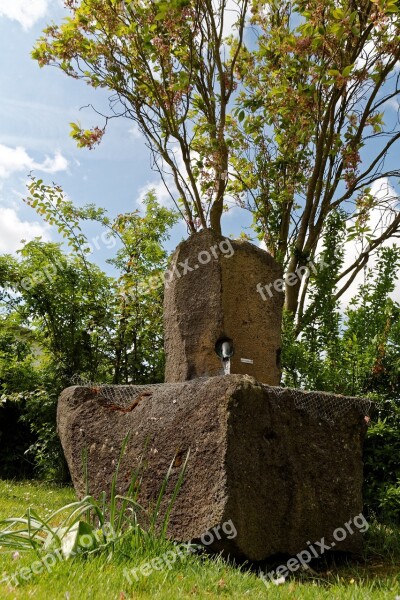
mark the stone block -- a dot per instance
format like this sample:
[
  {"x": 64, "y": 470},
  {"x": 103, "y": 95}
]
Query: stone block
[{"x": 285, "y": 466}]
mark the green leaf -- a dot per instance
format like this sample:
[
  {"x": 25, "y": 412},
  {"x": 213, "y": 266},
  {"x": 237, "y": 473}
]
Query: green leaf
[{"x": 347, "y": 70}]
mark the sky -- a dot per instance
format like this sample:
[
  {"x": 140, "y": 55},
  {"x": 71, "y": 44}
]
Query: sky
[{"x": 36, "y": 107}]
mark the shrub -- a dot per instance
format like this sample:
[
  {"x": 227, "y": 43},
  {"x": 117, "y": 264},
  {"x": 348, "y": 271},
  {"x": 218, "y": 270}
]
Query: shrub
[
  {"x": 382, "y": 463},
  {"x": 30, "y": 443}
]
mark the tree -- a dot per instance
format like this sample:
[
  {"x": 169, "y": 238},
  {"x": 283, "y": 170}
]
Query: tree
[
  {"x": 313, "y": 137},
  {"x": 302, "y": 135},
  {"x": 18, "y": 378},
  {"x": 171, "y": 73},
  {"x": 64, "y": 304},
  {"x": 141, "y": 262},
  {"x": 134, "y": 330},
  {"x": 355, "y": 352},
  {"x": 55, "y": 317}
]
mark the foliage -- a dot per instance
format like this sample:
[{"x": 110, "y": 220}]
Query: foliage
[
  {"x": 136, "y": 296},
  {"x": 17, "y": 353},
  {"x": 141, "y": 263},
  {"x": 19, "y": 377},
  {"x": 320, "y": 320},
  {"x": 15, "y": 439},
  {"x": 55, "y": 311},
  {"x": 65, "y": 302},
  {"x": 382, "y": 463},
  {"x": 288, "y": 114},
  {"x": 30, "y": 444},
  {"x": 354, "y": 353},
  {"x": 293, "y": 124},
  {"x": 37, "y": 410},
  {"x": 314, "y": 137}
]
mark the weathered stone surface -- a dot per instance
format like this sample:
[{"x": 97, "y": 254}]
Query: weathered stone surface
[
  {"x": 219, "y": 300},
  {"x": 283, "y": 475}
]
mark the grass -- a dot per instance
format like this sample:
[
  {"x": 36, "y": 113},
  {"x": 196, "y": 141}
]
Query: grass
[{"x": 193, "y": 576}]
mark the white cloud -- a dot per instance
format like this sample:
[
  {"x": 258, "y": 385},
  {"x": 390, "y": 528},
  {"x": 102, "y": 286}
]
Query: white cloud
[
  {"x": 263, "y": 245},
  {"x": 17, "y": 159},
  {"x": 393, "y": 103},
  {"x": 231, "y": 14},
  {"x": 160, "y": 186},
  {"x": 161, "y": 192},
  {"x": 381, "y": 217},
  {"x": 370, "y": 50},
  {"x": 13, "y": 230},
  {"x": 53, "y": 165},
  {"x": 26, "y": 12},
  {"x": 135, "y": 132}
]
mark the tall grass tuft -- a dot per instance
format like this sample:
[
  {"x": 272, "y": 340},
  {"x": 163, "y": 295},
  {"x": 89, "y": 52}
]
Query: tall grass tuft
[{"x": 94, "y": 525}]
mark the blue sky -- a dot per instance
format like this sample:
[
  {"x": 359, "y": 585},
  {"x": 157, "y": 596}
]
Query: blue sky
[{"x": 36, "y": 107}]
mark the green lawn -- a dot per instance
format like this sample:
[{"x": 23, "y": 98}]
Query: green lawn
[{"x": 377, "y": 576}]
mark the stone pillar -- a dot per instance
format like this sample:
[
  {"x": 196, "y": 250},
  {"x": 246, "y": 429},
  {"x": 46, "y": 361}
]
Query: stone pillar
[{"x": 211, "y": 296}]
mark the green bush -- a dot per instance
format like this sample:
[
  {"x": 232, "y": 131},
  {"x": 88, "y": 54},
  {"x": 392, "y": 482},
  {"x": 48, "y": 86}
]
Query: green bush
[
  {"x": 30, "y": 444},
  {"x": 15, "y": 439},
  {"x": 382, "y": 463}
]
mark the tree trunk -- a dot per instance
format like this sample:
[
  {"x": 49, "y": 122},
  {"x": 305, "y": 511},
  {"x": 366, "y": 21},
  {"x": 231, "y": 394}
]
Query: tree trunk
[{"x": 215, "y": 215}]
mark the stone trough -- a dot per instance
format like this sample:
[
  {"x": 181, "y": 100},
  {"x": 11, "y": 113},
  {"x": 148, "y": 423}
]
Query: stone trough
[{"x": 284, "y": 466}]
